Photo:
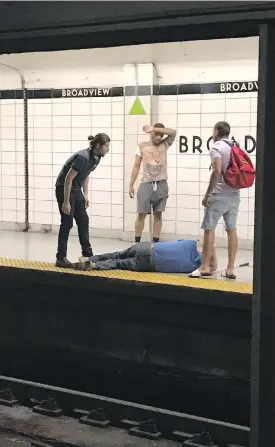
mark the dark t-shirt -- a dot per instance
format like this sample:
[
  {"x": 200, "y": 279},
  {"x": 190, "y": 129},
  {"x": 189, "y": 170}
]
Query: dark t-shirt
[{"x": 83, "y": 162}]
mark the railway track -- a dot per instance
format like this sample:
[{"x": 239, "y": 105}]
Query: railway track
[{"x": 28, "y": 407}]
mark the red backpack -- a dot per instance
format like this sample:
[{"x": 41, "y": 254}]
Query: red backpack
[{"x": 240, "y": 172}]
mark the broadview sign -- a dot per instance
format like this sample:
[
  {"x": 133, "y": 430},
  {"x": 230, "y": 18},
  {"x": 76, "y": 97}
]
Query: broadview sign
[{"x": 194, "y": 145}]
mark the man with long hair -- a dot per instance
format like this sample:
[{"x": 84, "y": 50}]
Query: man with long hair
[{"x": 72, "y": 201}]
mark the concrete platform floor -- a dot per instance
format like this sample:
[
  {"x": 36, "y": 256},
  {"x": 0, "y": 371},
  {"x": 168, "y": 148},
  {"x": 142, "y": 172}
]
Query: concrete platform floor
[{"x": 42, "y": 247}]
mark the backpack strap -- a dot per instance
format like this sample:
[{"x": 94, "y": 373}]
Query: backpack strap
[{"x": 231, "y": 143}]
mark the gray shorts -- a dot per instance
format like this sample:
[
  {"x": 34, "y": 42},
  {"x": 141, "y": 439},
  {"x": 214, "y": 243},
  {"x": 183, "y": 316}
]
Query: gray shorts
[
  {"x": 222, "y": 205},
  {"x": 147, "y": 197}
]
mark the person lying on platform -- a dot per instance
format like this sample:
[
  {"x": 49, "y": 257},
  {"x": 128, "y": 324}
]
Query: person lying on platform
[{"x": 180, "y": 256}]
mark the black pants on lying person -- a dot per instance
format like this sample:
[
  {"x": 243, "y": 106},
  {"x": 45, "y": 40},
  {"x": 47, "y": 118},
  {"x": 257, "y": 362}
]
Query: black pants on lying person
[{"x": 79, "y": 214}]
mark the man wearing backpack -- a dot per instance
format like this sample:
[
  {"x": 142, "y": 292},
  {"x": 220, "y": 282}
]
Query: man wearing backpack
[{"x": 231, "y": 170}]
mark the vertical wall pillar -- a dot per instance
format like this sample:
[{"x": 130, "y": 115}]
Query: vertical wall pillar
[
  {"x": 140, "y": 109},
  {"x": 263, "y": 328}
]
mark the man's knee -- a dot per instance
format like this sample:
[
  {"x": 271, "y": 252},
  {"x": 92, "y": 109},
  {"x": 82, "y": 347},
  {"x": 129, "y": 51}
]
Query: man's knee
[
  {"x": 141, "y": 217},
  {"x": 82, "y": 218},
  {"x": 157, "y": 215},
  {"x": 231, "y": 230},
  {"x": 67, "y": 222}
]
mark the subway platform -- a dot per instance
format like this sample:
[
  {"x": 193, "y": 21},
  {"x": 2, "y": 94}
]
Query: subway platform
[
  {"x": 164, "y": 340},
  {"x": 37, "y": 251}
]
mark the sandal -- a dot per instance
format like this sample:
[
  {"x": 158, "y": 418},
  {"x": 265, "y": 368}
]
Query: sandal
[{"x": 228, "y": 276}]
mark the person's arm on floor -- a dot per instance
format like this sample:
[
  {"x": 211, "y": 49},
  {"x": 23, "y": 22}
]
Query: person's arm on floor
[
  {"x": 214, "y": 179},
  {"x": 135, "y": 172},
  {"x": 171, "y": 133},
  {"x": 86, "y": 191}
]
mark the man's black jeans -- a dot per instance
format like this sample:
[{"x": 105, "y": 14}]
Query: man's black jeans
[
  {"x": 79, "y": 213},
  {"x": 138, "y": 258}
]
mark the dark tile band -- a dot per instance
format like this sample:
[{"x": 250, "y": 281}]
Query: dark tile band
[{"x": 142, "y": 90}]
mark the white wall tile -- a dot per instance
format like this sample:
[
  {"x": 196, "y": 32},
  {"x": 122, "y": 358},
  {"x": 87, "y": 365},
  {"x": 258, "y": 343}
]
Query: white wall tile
[
  {"x": 101, "y": 121},
  {"x": 117, "y": 147},
  {"x": 9, "y": 216},
  {"x": 99, "y": 184},
  {"x": 212, "y": 106},
  {"x": 59, "y": 133},
  {"x": 117, "y": 185},
  {"x": 117, "y": 160},
  {"x": 237, "y": 105},
  {"x": 189, "y": 106},
  {"x": 7, "y": 121},
  {"x": 117, "y": 121},
  {"x": 117, "y": 197},
  {"x": 9, "y": 193},
  {"x": 117, "y": 134},
  {"x": 8, "y": 133},
  {"x": 100, "y": 210},
  {"x": 43, "y": 218},
  {"x": 81, "y": 108},
  {"x": 7, "y": 109},
  {"x": 43, "y": 158},
  {"x": 189, "y": 120},
  {"x": 42, "y": 194},
  {"x": 43, "y": 170},
  {"x": 188, "y": 228},
  {"x": 170, "y": 121},
  {"x": 59, "y": 109},
  {"x": 43, "y": 206},
  {"x": 62, "y": 121},
  {"x": 117, "y": 223},
  {"x": 117, "y": 173},
  {"x": 9, "y": 181},
  {"x": 210, "y": 119},
  {"x": 188, "y": 160},
  {"x": 117, "y": 211},
  {"x": 188, "y": 175},
  {"x": 238, "y": 119},
  {"x": 7, "y": 145},
  {"x": 60, "y": 158},
  {"x": 42, "y": 121},
  {"x": 101, "y": 197},
  {"x": 78, "y": 134},
  {"x": 44, "y": 109},
  {"x": 168, "y": 227},
  {"x": 118, "y": 108},
  {"x": 101, "y": 222},
  {"x": 101, "y": 108},
  {"x": 167, "y": 107},
  {"x": 8, "y": 157},
  {"x": 81, "y": 121},
  {"x": 102, "y": 172}
]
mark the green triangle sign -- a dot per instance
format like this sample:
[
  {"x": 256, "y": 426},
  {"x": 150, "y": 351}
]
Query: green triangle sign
[{"x": 137, "y": 108}]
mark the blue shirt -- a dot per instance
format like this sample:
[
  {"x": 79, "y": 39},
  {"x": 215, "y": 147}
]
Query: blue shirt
[{"x": 177, "y": 257}]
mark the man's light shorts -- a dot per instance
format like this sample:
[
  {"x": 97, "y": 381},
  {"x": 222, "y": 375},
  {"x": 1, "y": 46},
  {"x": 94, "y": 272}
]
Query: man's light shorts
[{"x": 222, "y": 205}]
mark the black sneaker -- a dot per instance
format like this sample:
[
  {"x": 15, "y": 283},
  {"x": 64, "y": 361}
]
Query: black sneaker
[{"x": 64, "y": 264}]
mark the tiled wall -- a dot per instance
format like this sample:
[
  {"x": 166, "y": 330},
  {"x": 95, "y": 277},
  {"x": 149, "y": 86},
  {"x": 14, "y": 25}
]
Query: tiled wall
[
  {"x": 12, "y": 192},
  {"x": 59, "y": 126}
]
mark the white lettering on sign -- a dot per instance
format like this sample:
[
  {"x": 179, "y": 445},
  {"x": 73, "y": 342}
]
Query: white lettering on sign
[
  {"x": 85, "y": 92},
  {"x": 239, "y": 87}
]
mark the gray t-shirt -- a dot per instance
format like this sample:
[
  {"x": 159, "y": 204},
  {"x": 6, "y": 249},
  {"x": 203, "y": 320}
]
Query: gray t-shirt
[{"x": 221, "y": 149}]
